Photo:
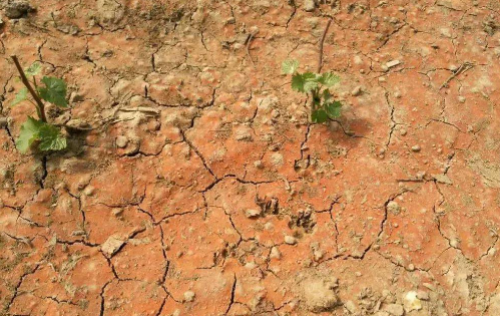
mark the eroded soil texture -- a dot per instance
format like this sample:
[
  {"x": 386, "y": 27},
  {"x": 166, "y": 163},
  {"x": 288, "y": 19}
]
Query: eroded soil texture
[{"x": 194, "y": 185}]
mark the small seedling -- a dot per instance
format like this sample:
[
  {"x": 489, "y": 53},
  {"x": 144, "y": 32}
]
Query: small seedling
[
  {"x": 323, "y": 106},
  {"x": 38, "y": 133}
]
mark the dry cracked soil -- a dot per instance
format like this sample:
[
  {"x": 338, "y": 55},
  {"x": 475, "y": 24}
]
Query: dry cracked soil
[{"x": 194, "y": 185}]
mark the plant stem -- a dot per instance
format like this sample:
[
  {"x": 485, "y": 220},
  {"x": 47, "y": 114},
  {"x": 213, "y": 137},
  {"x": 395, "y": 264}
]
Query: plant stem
[{"x": 39, "y": 104}]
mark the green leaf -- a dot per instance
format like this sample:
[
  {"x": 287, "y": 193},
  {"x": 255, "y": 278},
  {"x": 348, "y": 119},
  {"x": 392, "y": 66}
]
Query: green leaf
[
  {"x": 305, "y": 82},
  {"x": 29, "y": 134},
  {"x": 54, "y": 91},
  {"x": 298, "y": 82},
  {"x": 33, "y": 70},
  {"x": 310, "y": 81},
  {"x": 20, "y": 96},
  {"x": 333, "y": 109},
  {"x": 328, "y": 79},
  {"x": 289, "y": 66},
  {"x": 319, "y": 116},
  {"x": 51, "y": 138}
]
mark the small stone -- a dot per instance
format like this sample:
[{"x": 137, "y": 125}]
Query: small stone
[
  {"x": 189, "y": 296},
  {"x": 111, "y": 246},
  {"x": 461, "y": 99},
  {"x": 290, "y": 240},
  {"x": 277, "y": 159},
  {"x": 416, "y": 149},
  {"x": 117, "y": 212},
  {"x": 397, "y": 94},
  {"x": 358, "y": 274},
  {"x": 17, "y": 9},
  {"x": 411, "y": 302},
  {"x": 394, "y": 309},
  {"x": 252, "y": 213},
  {"x": 89, "y": 190},
  {"x": 258, "y": 164},
  {"x": 356, "y": 91},
  {"x": 393, "y": 207},
  {"x": 318, "y": 254},
  {"x": 454, "y": 243},
  {"x": 403, "y": 132},
  {"x": 250, "y": 265},
  {"x": 309, "y": 5},
  {"x": 243, "y": 135},
  {"x": 275, "y": 253},
  {"x": 121, "y": 141},
  {"x": 411, "y": 267},
  {"x": 3, "y": 122},
  {"x": 392, "y": 63},
  {"x": 350, "y": 306}
]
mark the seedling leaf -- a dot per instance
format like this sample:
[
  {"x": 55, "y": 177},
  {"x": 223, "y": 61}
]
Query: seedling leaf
[
  {"x": 20, "y": 96},
  {"x": 319, "y": 116},
  {"x": 54, "y": 91},
  {"x": 289, "y": 67},
  {"x": 33, "y": 130},
  {"x": 51, "y": 138},
  {"x": 333, "y": 109},
  {"x": 328, "y": 79},
  {"x": 310, "y": 81},
  {"x": 29, "y": 134},
  {"x": 33, "y": 70}
]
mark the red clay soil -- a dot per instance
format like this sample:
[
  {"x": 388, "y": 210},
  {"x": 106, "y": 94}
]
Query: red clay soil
[{"x": 194, "y": 185}]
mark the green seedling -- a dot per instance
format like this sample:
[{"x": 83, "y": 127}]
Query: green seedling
[
  {"x": 323, "y": 106},
  {"x": 38, "y": 133}
]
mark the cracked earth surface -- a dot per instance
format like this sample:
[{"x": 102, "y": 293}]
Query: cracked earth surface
[{"x": 199, "y": 188}]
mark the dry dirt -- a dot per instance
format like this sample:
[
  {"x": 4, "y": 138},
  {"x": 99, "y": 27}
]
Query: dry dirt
[{"x": 199, "y": 188}]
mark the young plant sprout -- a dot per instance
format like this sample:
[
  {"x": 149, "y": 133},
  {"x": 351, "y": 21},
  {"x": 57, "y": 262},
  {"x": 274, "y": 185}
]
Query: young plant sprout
[
  {"x": 38, "y": 133},
  {"x": 323, "y": 106}
]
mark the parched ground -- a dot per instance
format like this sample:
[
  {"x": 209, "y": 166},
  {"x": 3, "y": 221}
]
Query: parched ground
[{"x": 194, "y": 185}]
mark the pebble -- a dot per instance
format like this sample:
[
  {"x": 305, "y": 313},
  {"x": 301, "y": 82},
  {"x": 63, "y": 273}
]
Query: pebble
[
  {"x": 121, "y": 141},
  {"x": 189, "y": 296},
  {"x": 3, "y": 122},
  {"x": 275, "y": 253},
  {"x": 290, "y": 240},
  {"x": 258, "y": 164},
  {"x": 358, "y": 274},
  {"x": 318, "y": 254},
  {"x": 309, "y": 5},
  {"x": 403, "y": 132},
  {"x": 392, "y": 63},
  {"x": 111, "y": 246},
  {"x": 356, "y": 91},
  {"x": 117, "y": 212},
  {"x": 17, "y": 9},
  {"x": 252, "y": 213},
  {"x": 397, "y": 94},
  {"x": 411, "y": 267},
  {"x": 454, "y": 243},
  {"x": 416, "y": 149},
  {"x": 461, "y": 99},
  {"x": 394, "y": 207}
]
